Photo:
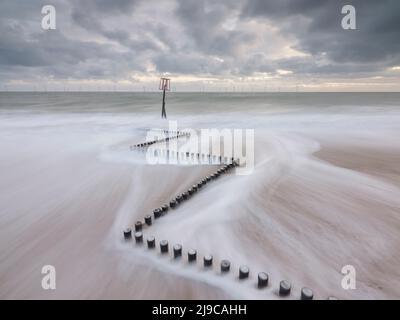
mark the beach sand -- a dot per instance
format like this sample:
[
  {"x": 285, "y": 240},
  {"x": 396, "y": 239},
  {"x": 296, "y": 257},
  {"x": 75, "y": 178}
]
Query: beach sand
[
  {"x": 302, "y": 223},
  {"x": 318, "y": 200}
]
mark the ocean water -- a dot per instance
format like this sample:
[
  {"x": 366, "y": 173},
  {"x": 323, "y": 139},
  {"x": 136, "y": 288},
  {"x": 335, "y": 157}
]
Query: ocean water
[{"x": 323, "y": 193}]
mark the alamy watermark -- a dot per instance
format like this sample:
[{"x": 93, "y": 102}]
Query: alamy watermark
[
  {"x": 203, "y": 146},
  {"x": 49, "y": 20},
  {"x": 49, "y": 279},
  {"x": 349, "y": 20},
  {"x": 349, "y": 279}
]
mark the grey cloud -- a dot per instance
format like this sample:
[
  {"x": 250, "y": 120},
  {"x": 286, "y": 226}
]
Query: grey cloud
[
  {"x": 310, "y": 66},
  {"x": 376, "y": 37},
  {"x": 88, "y": 19},
  {"x": 203, "y": 22},
  {"x": 195, "y": 40},
  {"x": 44, "y": 49},
  {"x": 106, "y": 6},
  {"x": 53, "y": 55},
  {"x": 189, "y": 64}
]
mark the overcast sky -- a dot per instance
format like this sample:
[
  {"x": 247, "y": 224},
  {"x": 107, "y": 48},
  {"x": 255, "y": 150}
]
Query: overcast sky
[{"x": 241, "y": 45}]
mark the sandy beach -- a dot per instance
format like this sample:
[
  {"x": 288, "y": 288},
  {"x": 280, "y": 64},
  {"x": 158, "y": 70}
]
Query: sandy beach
[{"x": 321, "y": 196}]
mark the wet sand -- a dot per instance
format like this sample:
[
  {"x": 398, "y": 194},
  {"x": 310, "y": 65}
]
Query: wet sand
[
  {"x": 302, "y": 222},
  {"x": 325, "y": 193},
  {"x": 62, "y": 217}
]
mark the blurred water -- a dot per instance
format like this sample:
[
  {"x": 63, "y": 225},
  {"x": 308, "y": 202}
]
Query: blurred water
[{"x": 324, "y": 193}]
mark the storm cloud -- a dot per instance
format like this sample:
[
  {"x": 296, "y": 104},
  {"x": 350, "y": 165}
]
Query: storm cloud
[
  {"x": 127, "y": 40},
  {"x": 374, "y": 41}
]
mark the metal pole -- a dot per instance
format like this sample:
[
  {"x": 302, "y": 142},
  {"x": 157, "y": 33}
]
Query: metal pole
[{"x": 163, "y": 113}]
